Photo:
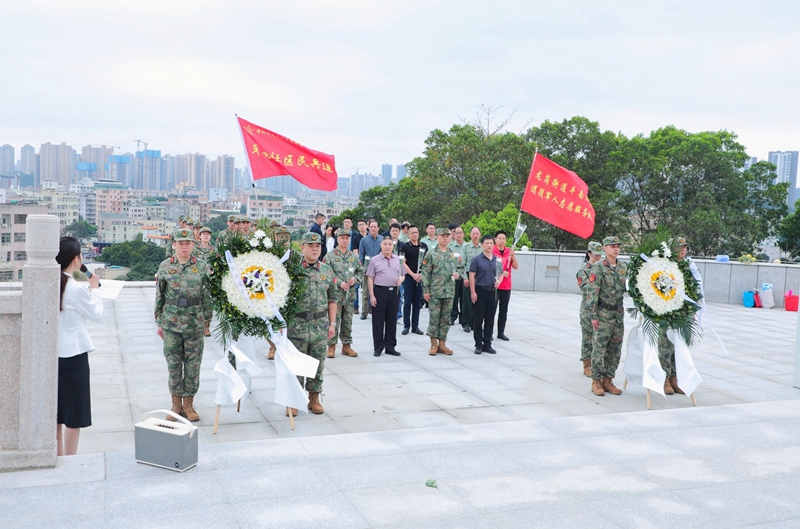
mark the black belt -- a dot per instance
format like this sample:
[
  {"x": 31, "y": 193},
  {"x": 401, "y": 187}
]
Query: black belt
[
  {"x": 381, "y": 286},
  {"x": 183, "y": 302},
  {"x": 309, "y": 316},
  {"x": 607, "y": 306},
  {"x": 490, "y": 289}
]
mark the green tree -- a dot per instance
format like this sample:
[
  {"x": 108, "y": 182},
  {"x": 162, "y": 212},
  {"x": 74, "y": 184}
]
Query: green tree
[
  {"x": 217, "y": 224},
  {"x": 490, "y": 223},
  {"x": 81, "y": 229},
  {"x": 141, "y": 257},
  {"x": 789, "y": 232}
]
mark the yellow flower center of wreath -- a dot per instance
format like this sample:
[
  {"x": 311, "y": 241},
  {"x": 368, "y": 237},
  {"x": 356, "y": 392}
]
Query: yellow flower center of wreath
[
  {"x": 255, "y": 278},
  {"x": 664, "y": 285}
]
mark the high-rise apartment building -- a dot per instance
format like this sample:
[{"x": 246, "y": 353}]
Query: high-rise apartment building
[
  {"x": 56, "y": 164},
  {"x": 386, "y": 174},
  {"x": 110, "y": 197},
  {"x": 147, "y": 170},
  {"x": 786, "y": 171},
  {"x": 27, "y": 160},
  {"x": 7, "y": 160},
  {"x": 191, "y": 171},
  {"x": 223, "y": 173},
  {"x": 99, "y": 156},
  {"x": 169, "y": 166},
  {"x": 401, "y": 172},
  {"x": 119, "y": 168}
]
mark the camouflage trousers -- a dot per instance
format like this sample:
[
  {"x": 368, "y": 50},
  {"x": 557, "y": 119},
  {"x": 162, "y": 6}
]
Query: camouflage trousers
[
  {"x": 365, "y": 302},
  {"x": 184, "y": 354},
  {"x": 439, "y": 317},
  {"x": 344, "y": 319},
  {"x": 607, "y": 343},
  {"x": 311, "y": 337},
  {"x": 587, "y": 334},
  {"x": 666, "y": 354}
]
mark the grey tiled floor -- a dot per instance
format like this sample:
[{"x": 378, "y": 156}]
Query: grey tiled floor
[
  {"x": 513, "y": 440},
  {"x": 534, "y": 376}
]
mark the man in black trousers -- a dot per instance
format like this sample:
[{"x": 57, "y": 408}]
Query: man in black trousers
[
  {"x": 384, "y": 276},
  {"x": 483, "y": 284}
]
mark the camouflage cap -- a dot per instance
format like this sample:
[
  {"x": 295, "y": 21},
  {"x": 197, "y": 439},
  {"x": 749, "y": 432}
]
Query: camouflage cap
[
  {"x": 237, "y": 219},
  {"x": 679, "y": 241},
  {"x": 205, "y": 229},
  {"x": 246, "y": 220},
  {"x": 231, "y": 218},
  {"x": 442, "y": 231},
  {"x": 596, "y": 248},
  {"x": 189, "y": 221},
  {"x": 310, "y": 237},
  {"x": 182, "y": 234},
  {"x": 182, "y": 218},
  {"x": 198, "y": 225},
  {"x": 341, "y": 232},
  {"x": 610, "y": 240}
]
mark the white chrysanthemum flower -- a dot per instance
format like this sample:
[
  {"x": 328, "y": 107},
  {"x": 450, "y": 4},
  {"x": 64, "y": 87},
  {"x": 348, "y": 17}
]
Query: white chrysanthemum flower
[
  {"x": 260, "y": 234},
  {"x": 665, "y": 248},
  {"x": 266, "y": 264},
  {"x": 254, "y": 243},
  {"x": 661, "y": 284},
  {"x": 654, "y": 253},
  {"x": 267, "y": 242}
]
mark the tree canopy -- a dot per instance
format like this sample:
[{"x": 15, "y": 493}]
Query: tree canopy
[
  {"x": 693, "y": 184},
  {"x": 141, "y": 257}
]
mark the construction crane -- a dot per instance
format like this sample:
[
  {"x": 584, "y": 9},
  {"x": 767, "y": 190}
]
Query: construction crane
[{"x": 137, "y": 144}]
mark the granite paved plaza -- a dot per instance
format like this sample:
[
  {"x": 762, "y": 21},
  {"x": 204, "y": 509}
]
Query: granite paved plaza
[{"x": 514, "y": 440}]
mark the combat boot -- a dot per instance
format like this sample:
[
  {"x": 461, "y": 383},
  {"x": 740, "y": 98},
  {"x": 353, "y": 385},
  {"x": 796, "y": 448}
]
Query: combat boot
[
  {"x": 587, "y": 367},
  {"x": 313, "y": 403},
  {"x": 348, "y": 351},
  {"x": 177, "y": 408},
  {"x": 207, "y": 329},
  {"x": 443, "y": 348},
  {"x": 673, "y": 381},
  {"x": 271, "y": 354},
  {"x": 331, "y": 351},
  {"x": 188, "y": 409},
  {"x": 668, "y": 387},
  {"x": 597, "y": 388},
  {"x": 434, "y": 346},
  {"x": 609, "y": 386}
]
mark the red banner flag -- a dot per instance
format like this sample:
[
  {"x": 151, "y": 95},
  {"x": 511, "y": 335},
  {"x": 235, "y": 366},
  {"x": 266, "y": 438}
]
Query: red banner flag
[
  {"x": 271, "y": 154},
  {"x": 558, "y": 196}
]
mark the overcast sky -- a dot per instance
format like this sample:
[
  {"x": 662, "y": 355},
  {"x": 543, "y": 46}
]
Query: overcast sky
[{"x": 368, "y": 80}]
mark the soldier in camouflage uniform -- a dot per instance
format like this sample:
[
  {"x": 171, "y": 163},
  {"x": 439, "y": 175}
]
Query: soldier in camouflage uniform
[
  {"x": 180, "y": 310},
  {"x": 438, "y": 274},
  {"x": 224, "y": 233},
  {"x": 606, "y": 290},
  {"x": 315, "y": 322},
  {"x": 456, "y": 247},
  {"x": 181, "y": 224},
  {"x": 593, "y": 254},
  {"x": 348, "y": 271},
  {"x": 666, "y": 349},
  {"x": 203, "y": 251}
]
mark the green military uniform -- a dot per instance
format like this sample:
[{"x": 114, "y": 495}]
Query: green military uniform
[
  {"x": 345, "y": 266},
  {"x": 224, "y": 233},
  {"x": 309, "y": 333},
  {"x": 606, "y": 290},
  {"x": 469, "y": 251},
  {"x": 437, "y": 280},
  {"x": 587, "y": 331},
  {"x": 457, "y": 251},
  {"x": 181, "y": 308},
  {"x": 430, "y": 243}
]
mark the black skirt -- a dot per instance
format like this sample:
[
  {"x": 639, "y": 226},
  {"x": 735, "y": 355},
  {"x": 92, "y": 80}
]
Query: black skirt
[{"x": 74, "y": 400}]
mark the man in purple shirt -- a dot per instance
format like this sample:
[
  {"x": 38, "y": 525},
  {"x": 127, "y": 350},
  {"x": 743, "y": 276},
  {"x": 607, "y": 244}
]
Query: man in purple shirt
[{"x": 384, "y": 275}]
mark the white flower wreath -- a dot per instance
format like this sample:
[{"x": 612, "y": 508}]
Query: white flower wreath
[
  {"x": 661, "y": 284},
  {"x": 258, "y": 271}
]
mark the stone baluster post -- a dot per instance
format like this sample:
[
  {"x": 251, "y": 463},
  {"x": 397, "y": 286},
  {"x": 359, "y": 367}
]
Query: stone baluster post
[{"x": 39, "y": 355}]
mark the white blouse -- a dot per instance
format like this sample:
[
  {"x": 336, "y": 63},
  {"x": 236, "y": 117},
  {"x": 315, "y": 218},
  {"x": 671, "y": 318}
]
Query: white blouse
[{"x": 79, "y": 305}]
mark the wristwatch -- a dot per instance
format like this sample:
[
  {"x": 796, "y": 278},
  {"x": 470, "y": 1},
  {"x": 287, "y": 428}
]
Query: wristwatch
[{"x": 332, "y": 323}]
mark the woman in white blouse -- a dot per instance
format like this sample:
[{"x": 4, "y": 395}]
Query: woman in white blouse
[{"x": 80, "y": 301}]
